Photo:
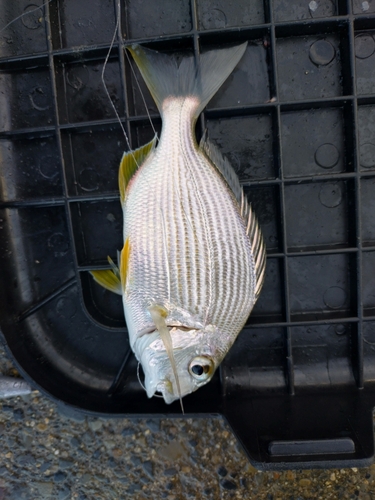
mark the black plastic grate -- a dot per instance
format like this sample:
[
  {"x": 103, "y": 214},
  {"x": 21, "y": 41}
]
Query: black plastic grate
[{"x": 297, "y": 121}]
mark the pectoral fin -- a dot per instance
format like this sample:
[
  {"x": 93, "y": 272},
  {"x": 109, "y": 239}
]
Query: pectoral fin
[
  {"x": 129, "y": 164},
  {"x": 124, "y": 262}
]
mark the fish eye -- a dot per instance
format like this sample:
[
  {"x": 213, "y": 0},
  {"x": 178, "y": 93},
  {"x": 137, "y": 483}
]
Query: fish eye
[{"x": 201, "y": 368}]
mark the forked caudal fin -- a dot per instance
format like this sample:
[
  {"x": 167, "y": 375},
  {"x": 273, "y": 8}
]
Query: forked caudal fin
[{"x": 166, "y": 78}]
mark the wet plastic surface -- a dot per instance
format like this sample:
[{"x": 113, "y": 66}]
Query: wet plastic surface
[{"x": 296, "y": 119}]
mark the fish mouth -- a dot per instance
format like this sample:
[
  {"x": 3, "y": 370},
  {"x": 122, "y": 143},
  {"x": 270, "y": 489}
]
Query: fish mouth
[{"x": 163, "y": 389}]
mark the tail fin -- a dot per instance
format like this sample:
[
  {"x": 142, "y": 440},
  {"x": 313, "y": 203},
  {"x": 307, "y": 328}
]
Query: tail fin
[{"x": 165, "y": 77}]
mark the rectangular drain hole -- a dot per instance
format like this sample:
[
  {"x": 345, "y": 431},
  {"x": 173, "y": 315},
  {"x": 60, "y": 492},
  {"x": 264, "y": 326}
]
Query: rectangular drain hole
[{"x": 311, "y": 447}]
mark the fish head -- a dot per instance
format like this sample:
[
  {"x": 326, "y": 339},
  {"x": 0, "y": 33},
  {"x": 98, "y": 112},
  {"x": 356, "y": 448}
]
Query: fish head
[{"x": 196, "y": 361}]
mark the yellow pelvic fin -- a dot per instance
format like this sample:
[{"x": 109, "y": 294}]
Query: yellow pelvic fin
[
  {"x": 129, "y": 164},
  {"x": 114, "y": 268},
  {"x": 158, "y": 315},
  {"x": 109, "y": 278},
  {"x": 124, "y": 262}
]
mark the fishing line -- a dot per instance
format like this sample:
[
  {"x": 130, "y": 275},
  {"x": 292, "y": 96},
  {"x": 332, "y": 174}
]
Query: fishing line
[
  {"x": 135, "y": 77},
  {"x": 24, "y": 14},
  {"x": 105, "y": 86},
  {"x": 141, "y": 383},
  {"x": 142, "y": 95}
]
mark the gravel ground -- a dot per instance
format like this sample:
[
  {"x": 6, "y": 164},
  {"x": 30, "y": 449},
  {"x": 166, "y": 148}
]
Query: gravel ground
[{"x": 46, "y": 453}]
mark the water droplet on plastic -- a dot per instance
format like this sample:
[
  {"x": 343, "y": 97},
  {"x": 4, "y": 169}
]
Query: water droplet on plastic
[
  {"x": 216, "y": 19},
  {"x": 65, "y": 307},
  {"x": 77, "y": 77},
  {"x": 367, "y": 155},
  {"x": 365, "y": 6},
  {"x": 340, "y": 329},
  {"x": 327, "y": 155},
  {"x": 322, "y": 52},
  {"x": 58, "y": 242},
  {"x": 330, "y": 195},
  {"x": 39, "y": 99},
  {"x": 47, "y": 167},
  {"x": 83, "y": 23},
  {"x": 88, "y": 179},
  {"x": 334, "y": 297},
  {"x": 33, "y": 19},
  {"x": 364, "y": 46}
]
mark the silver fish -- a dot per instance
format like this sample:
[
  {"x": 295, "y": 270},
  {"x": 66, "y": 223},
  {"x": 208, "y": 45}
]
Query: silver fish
[{"x": 193, "y": 261}]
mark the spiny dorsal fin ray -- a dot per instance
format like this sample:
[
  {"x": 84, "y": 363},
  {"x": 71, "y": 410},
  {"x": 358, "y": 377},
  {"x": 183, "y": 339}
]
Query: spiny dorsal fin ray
[
  {"x": 130, "y": 162},
  {"x": 114, "y": 279},
  {"x": 252, "y": 226},
  {"x": 114, "y": 268},
  {"x": 222, "y": 164},
  {"x": 109, "y": 278},
  {"x": 257, "y": 245}
]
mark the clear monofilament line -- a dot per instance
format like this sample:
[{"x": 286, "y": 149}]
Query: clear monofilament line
[
  {"x": 142, "y": 95},
  {"x": 104, "y": 84},
  {"x": 24, "y": 14},
  {"x": 106, "y": 88}
]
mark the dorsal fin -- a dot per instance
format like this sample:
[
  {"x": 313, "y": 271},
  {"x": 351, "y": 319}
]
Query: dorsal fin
[
  {"x": 252, "y": 226},
  {"x": 130, "y": 162},
  {"x": 257, "y": 243},
  {"x": 222, "y": 164}
]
